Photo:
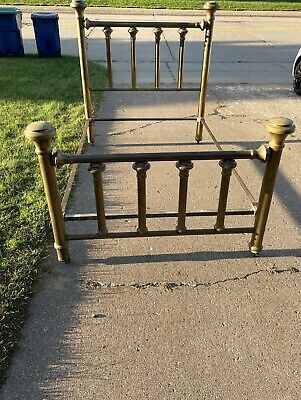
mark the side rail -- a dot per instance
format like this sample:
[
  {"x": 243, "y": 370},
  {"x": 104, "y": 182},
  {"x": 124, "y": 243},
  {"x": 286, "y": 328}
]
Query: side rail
[
  {"x": 206, "y": 25},
  {"x": 41, "y": 134}
]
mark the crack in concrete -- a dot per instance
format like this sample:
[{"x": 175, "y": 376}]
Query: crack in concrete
[
  {"x": 171, "y": 73},
  {"x": 132, "y": 130},
  {"x": 89, "y": 33},
  {"x": 171, "y": 286},
  {"x": 229, "y": 114},
  {"x": 169, "y": 49}
]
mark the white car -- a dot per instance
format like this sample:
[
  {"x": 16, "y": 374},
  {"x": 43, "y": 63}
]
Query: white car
[{"x": 297, "y": 73}]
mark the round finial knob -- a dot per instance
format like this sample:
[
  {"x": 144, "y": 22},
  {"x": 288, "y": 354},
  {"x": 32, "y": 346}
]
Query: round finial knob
[
  {"x": 211, "y": 5},
  {"x": 78, "y": 4},
  {"x": 279, "y": 128},
  {"x": 40, "y": 130},
  {"x": 281, "y": 125}
]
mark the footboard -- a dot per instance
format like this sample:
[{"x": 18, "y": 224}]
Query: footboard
[{"x": 41, "y": 134}]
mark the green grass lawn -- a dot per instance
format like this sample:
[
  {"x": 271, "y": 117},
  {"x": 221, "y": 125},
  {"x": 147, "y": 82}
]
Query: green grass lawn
[
  {"x": 31, "y": 89},
  {"x": 177, "y": 4}
]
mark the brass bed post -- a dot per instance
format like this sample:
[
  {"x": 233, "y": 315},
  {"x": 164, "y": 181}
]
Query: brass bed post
[
  {"x": 278, "y": 128},
  {"x": 79, "y": 7},
  {"x": 41, "y": 133},
  {"x": 210, "y": 7}
]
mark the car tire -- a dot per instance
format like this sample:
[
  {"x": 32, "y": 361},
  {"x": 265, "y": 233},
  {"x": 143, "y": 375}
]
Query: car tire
[{"x": 297, "y": 79}]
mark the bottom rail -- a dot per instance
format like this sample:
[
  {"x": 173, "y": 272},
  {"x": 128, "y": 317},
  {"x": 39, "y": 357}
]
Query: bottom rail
[
  {"x": 188, "y": 232},
  {"x": 203, "y": 213}
]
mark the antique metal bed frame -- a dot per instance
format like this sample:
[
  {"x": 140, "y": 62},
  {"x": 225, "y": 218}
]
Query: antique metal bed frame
[{"x": 41, "y": 134}]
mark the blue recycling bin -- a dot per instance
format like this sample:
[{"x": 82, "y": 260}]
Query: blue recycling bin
[
  {"x": 11, "y": 42},
  {"x": 46, "y": 29}
]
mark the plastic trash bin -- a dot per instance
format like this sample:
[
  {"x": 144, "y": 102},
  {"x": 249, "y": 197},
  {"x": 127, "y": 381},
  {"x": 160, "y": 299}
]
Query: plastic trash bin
[
  {"x": 46, "y": 29},
  {"x": 11, "y": 42}
]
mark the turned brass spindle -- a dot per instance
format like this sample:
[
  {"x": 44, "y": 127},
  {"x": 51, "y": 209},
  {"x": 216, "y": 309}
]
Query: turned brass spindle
[
  {"x": 79, "y": 7},
  {"x": 141, "y": 168},
  {"x": 184, "y": 167},
  {"x": 278, "y": 128},
  {"x": 158, "y": 32},
  {"x": 108, "y": 32},
  {"x": 182, "y": 32},
  {"x": 210, "y": 7},
  {"x": 133, "y": 34},
  {"x": 227, "y": 168},
  {"x": 96, "y": 171}
]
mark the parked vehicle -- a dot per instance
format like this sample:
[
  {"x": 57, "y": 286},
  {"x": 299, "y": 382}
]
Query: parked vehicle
[{"x": 297, "y": 73}]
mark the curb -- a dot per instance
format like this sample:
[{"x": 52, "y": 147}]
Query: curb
[{"x": 163, "y": 12}]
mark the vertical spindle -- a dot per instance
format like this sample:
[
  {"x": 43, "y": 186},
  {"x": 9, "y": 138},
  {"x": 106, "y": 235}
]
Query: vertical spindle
[
  {"x": 227, "y": 168},
  {"x": 158, "y": 32},
  {"x": 184, "y": 167},
  {"x": 133, "y": 34},
  {"x": 96, "y": 171},
  {"x": 182, "y": 32},
  {"x": 141, "y": 168},
  {"x": 108, "y": 32}
]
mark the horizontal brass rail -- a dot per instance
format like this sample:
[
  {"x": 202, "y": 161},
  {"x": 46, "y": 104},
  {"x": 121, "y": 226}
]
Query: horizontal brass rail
[
  {"x": 146, "y": 119},
  {"x": 188, "y": 232},
  {"x": 144, "y": 24},
  {"x": 61, "y": 159},
  {"x": 141, "y": 89},
  {"x": 92, "y": 217}
]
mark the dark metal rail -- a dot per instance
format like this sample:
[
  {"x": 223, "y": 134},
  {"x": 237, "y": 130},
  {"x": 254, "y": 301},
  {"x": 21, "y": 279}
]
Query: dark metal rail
[
  {"x": 62, "y": 158},
  {"x": 119, "y": 235},
  {"x": 145, "y": 119},
  {"x": 144, "y": 24},
  {"x": 92, "y": 217},
  {"x": 141, "y": 89}
]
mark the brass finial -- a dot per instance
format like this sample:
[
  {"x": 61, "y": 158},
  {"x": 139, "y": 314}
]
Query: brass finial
[
  {"x": 158, "y": 32},
  {"x": 279, "y": 128},
  {"x": 39, "y": 130},
  {"x": 78, "y": 4},
  {"x": 182, "y": 32},
  {"x": 211, "y": 5},
  {"x": 133, "y": 32}
]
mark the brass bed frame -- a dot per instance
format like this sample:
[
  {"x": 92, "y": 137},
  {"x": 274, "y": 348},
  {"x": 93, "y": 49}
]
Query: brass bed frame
[{"x": 41, "y": 134}]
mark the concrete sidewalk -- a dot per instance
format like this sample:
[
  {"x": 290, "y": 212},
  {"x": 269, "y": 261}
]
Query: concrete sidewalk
[{"x": 184, "y": 317}]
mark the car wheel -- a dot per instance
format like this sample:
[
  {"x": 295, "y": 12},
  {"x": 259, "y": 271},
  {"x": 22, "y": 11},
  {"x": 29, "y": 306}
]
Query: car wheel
[{"x": 297, "y": 79}]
